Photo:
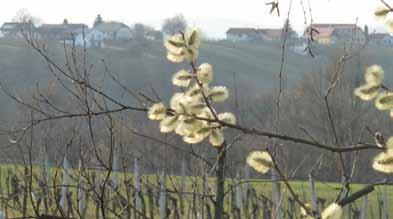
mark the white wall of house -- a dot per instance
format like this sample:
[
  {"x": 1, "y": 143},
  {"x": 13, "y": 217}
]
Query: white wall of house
[
  {"x": 387, "y": 41},
  {"x": 124, "y": 33},
  {"x": 239, "y": 37},
  {"x": 93, "y": 38},
  {"x": 109, "y": 35}
]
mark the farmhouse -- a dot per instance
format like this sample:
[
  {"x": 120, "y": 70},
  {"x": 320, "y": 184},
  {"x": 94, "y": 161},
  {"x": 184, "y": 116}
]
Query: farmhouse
[
  {"x": 252, "y": 34},
  {"x": 90, "y": 38},
  {"x": 114, "y": 31},
  {"x": 381, "y": 39},
  {"x": 61, "y": 32},
  {"x": 242, "y": 34},
  {"x": 16, "y": 29},
  {"x": 337, "y": 33},
  {"x": 153, "y": 35},
  {"x": 270, "y": 34}
]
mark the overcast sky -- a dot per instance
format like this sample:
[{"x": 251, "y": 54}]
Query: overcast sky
[{"x": 212, "y": 16}]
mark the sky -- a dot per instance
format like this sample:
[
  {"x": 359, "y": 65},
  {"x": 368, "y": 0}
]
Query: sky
[{"x": 214, "y": 17}]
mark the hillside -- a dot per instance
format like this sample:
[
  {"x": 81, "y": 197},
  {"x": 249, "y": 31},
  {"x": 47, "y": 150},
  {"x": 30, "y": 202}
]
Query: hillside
[
  {"x": 138, "y": 66},
  {"x": 142, "y": 66}
]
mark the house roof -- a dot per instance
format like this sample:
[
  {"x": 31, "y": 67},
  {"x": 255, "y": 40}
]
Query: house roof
[
  {"x": 378, "y": 36},
  {"x": 320, "y": 25},
  {"x": 327, "y": 30},
  {"x": 271, "y": 32},
  {"x": 16, "y": 26},
  {"x": 62, "y": 31},
  {"x": 62, "y": 28},
  {"x": 241, "y": 31},
  {"x": 110, "y": 26},
  {"x": 154, "y": 33}
]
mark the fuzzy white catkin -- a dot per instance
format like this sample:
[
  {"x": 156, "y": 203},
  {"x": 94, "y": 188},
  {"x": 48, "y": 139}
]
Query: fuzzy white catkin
[
  {"x": 374, "y": 75},
  {"x": 218, "y": 93},
  {"x": 181, "y": 78},
  {"x": 261, "y": 161},
  {"x": 205, "y": 73},
  {"x": 367, "y": 92},
  {"x": 333, "y": 211},
  {"x": 157, "y": 111},
  {"x": 383, "y": 162},
  {"x": 384, "y": 101},
  {"x": 216, "y": 137},
  {"x": 227, "y": 118}
]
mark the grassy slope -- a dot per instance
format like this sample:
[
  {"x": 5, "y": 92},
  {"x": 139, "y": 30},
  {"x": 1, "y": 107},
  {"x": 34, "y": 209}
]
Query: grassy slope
[
  {"x": 256, "y": 66},
  {"x": 255, "y": 63}
]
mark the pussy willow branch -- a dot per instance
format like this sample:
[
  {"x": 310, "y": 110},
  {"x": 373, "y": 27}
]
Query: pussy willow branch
[
  {"x": 228, "y": 146},
  {"x": 206, "y": 100},
  {"x": 387, "y": 5},
  {"x": 245, "y": 130},
  {"x": 286, "y": 182},
  {"x": 334, "y": 81},
  {"x": 277, "y": 204},
  {"x": 309, "y": 31}
]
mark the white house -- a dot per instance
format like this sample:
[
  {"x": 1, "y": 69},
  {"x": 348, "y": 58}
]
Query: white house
[
  {"x": 61, "y": 32},
  {"x": 328, "y": 34},
  {"x": 92, "y": 38},
  {"x": 114, "y": 31},
  {"x": 241, "y": 34},
  {"x": 17, "y": 30},
  {"x": 381, "y": 39}
]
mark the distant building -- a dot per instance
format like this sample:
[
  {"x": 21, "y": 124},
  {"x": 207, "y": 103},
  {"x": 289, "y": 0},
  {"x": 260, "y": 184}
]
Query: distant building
[
  {"x": 154, "y": 35},
  {"x": 300, "y": 48},
  {"x": 61, "y": 32},
  {"x": 242, "y": 34},
  {"x": 114, "y": 31},
  {"x": 18, "y": 30},
  {"x": 252, "y": 34},
  {"x": 91, "y": 38},
  {"x": 381, "y": 39},
  {"x": 337, "y": 33},
  {"x": 270, "y": 34}
]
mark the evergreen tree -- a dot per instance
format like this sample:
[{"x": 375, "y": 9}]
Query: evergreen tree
[
  {"x": 366, "y": 32},
  {"x": 287, "y": 30},
  {"x": 98, "y": 20}
]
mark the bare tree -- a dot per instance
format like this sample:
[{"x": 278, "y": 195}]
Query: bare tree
[
  {"x": 174, "y": 25},
  {"x": 24, "y": 16}
]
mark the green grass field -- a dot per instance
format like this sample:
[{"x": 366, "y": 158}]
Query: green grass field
[{"x": 324, "y": 190}]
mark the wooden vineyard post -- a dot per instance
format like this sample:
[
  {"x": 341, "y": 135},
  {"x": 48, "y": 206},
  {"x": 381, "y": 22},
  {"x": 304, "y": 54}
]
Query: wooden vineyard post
[{"x": 163, "y": 197}]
